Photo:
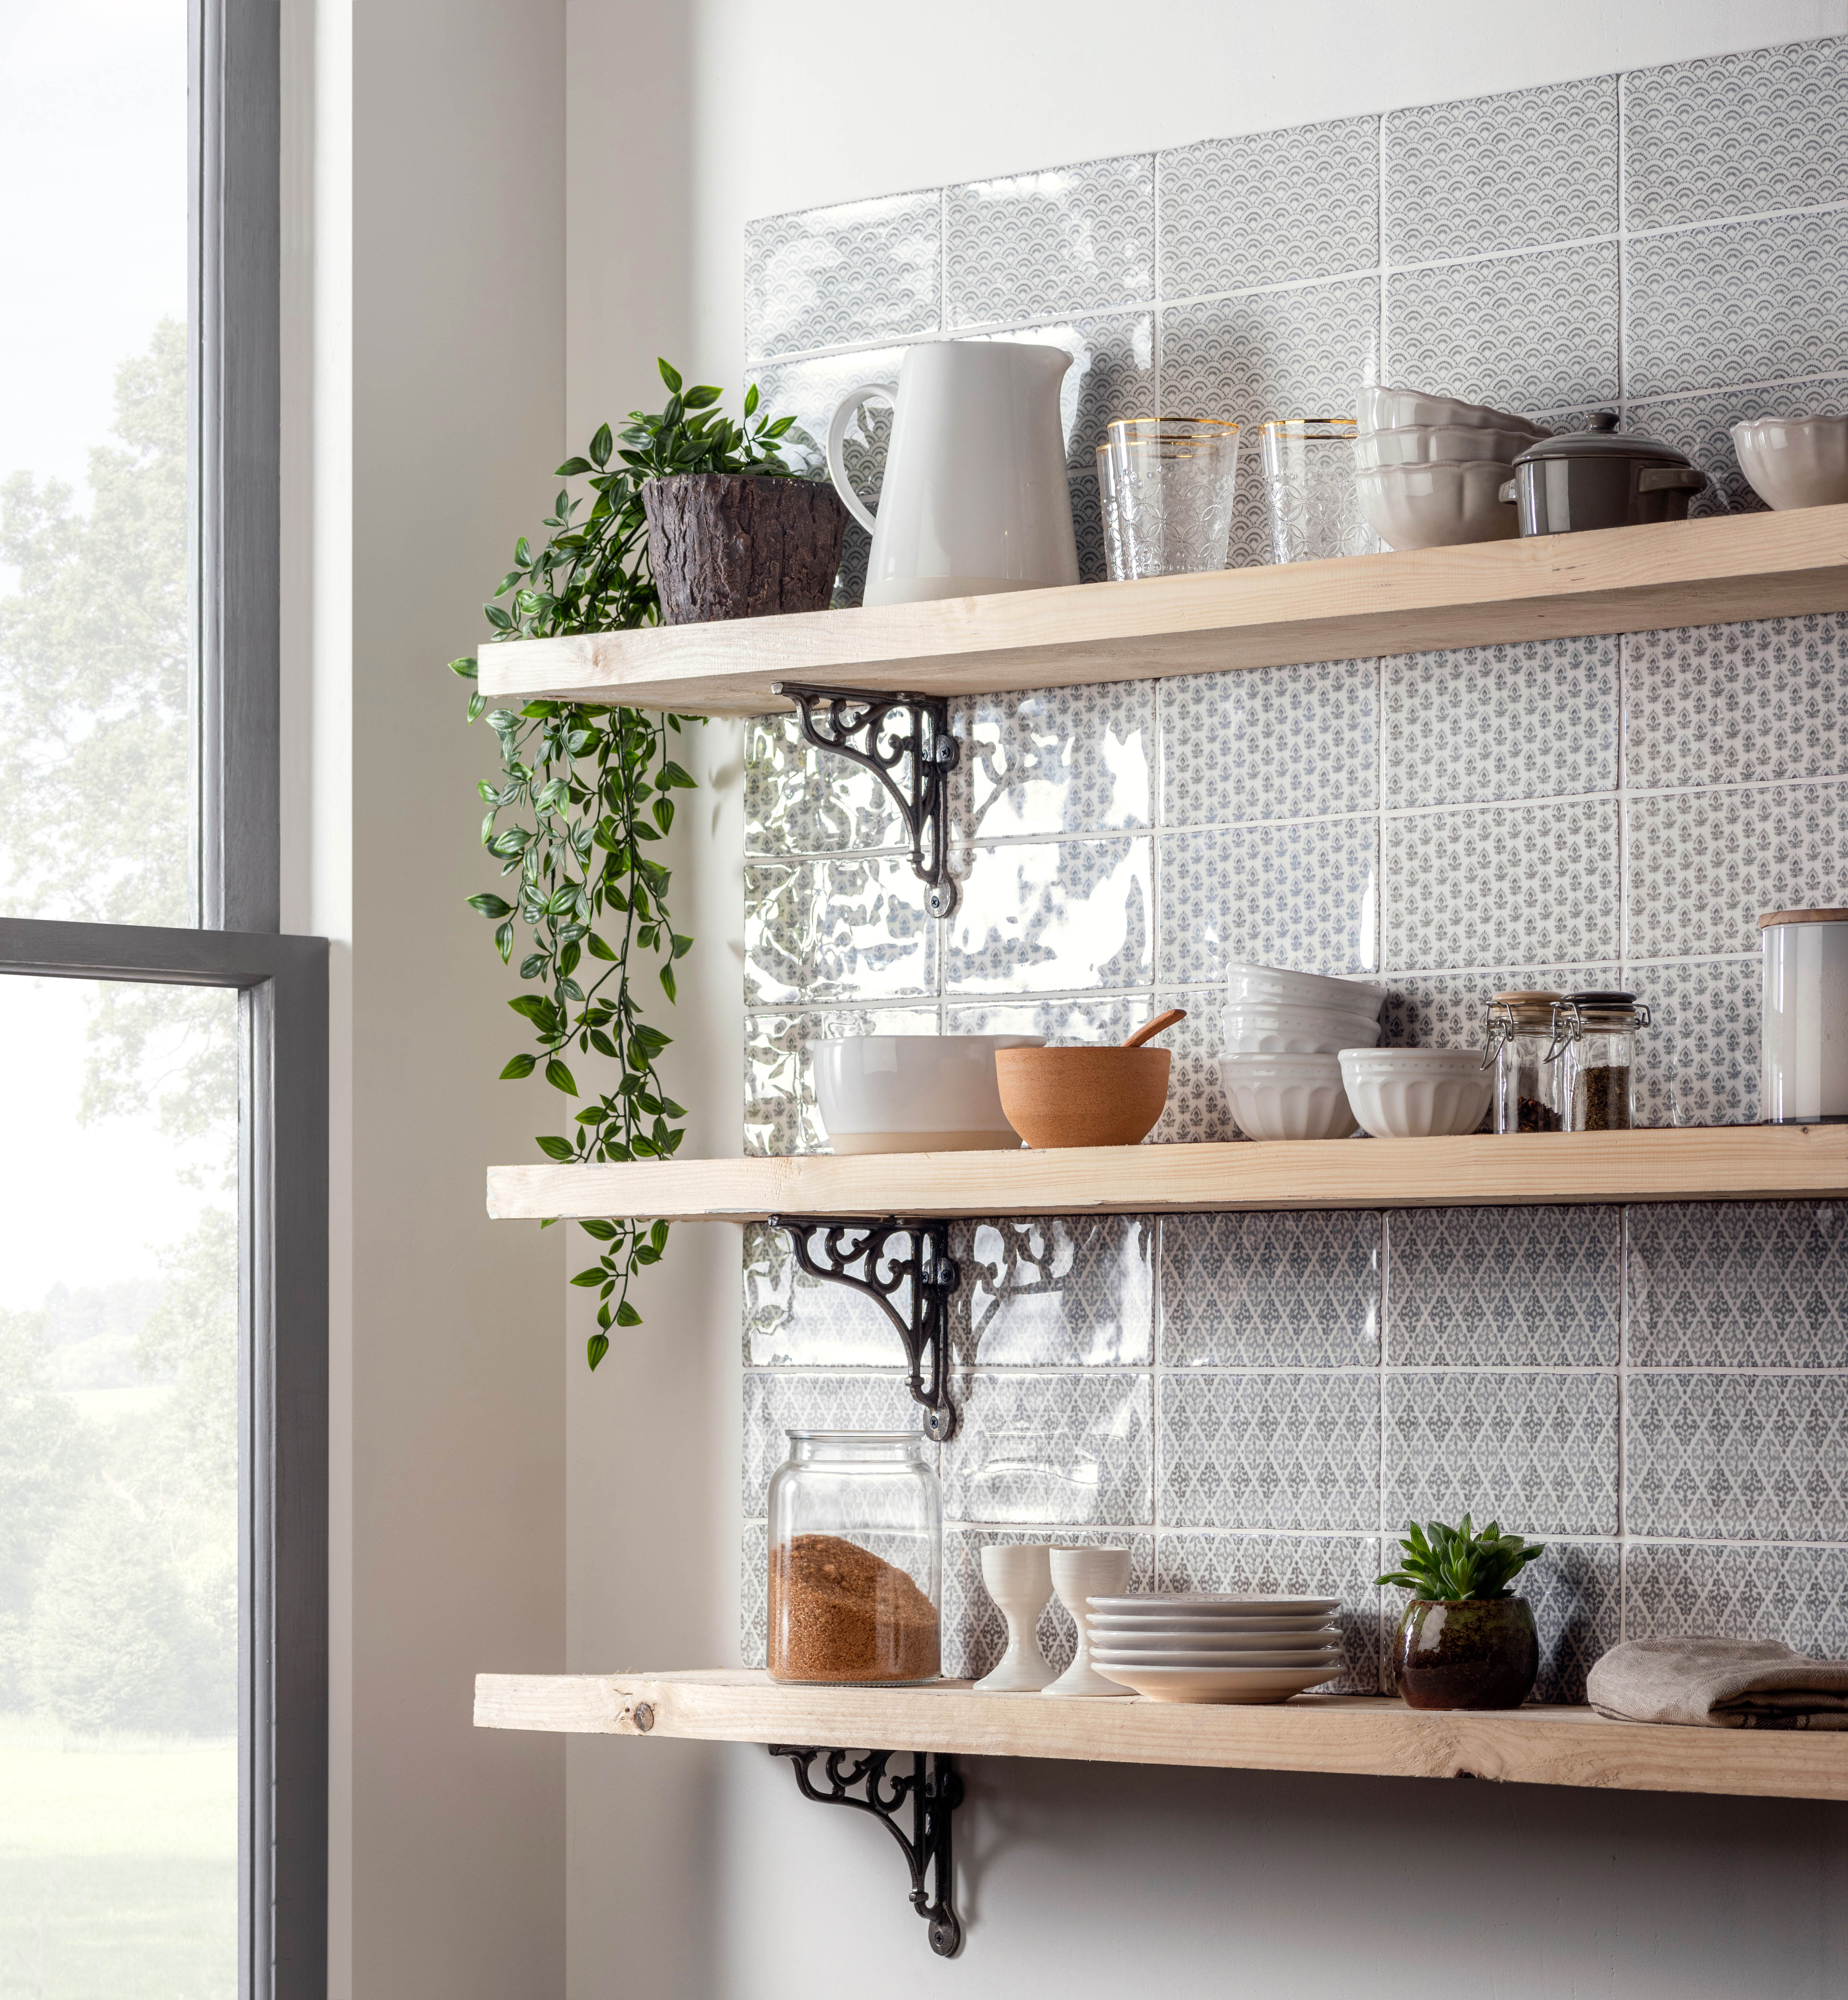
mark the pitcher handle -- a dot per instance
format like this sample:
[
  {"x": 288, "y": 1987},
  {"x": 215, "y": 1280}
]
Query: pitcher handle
[{"x": 845, "y": 411}]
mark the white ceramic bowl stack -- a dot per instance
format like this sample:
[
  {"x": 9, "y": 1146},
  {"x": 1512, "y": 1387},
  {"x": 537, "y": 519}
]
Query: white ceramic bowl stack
[
  {"x": 1201, "y": 1646},
  {"x": 1283, "y": 1033},
  {"x": 1431, "y": 469}
]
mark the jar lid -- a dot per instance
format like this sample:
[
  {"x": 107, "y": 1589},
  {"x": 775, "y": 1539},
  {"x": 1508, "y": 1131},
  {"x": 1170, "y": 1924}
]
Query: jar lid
[
  {"x": 1589, "y": 999},
  {"x": 1601, "y": 439},
  {"x": 1803, "y": 917},
  {"x": 1525, "y": 999}
]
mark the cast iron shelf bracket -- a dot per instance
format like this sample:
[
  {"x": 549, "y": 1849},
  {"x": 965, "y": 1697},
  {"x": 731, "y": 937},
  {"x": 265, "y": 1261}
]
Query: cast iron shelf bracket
[
  {"x": 832, "y": 717},
  {"x": 934, "y": 1791},
  {"x": 933, "y": 1276}
]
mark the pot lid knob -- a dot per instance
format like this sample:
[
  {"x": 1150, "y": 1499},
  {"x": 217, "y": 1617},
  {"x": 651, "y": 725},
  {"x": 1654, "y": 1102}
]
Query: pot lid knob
[{"x": 1601, "y": 420}]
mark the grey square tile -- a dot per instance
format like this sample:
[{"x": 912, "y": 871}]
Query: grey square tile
[
  {"x": 1701, "y": 426},
  {"x": 1072, "y": 1449},
  {"x": 1270, "y": 743},
  {"x": 1486, "y": 885},
  {"x": 781, "y": 1401},
  {"x": 1533, "y": 720},
  {"x": 1304, "y": 894},
  {"x": 1537, "y": 1452},
  {"x": 1058, "y": 1020},
  {"x": 1446, "y": 1010},
  {"x": 1751, "y": 1458},
  {"x": 1698, "y": 1064},
  {"x": 780, "y": 1113},
  {"x": 1269, "y": 208},
  {"x": 1704, "y": 865},
  {"x": 853, "y": 929},
  {"x": 1197, "y": 1111},
  {"x": 753, "y": 1594},
  {"x": 793, "y": 1320},
  {"x": 1112, "y": 375},
  {"x": 799, "y": 800},
  {"x": 1087, "y": 529},
  {"x": 1797, "y": 1595},
  {"x": 1052, "y": 917},
  {"x": 1576, "y": 1592},
  {"x": 842, "y": 277},
  {"x": 1727, "y": 1284},
  {"x": 1248, "y": 543},
  {"x": 1784, "y": 282},
  {"x": 1055, "y": 1291},
  {"x": 1529, "y": 333},
  {"x": 1342, "y": 1566},
  {"x": 1269, "y": 1450},
  {"x": 1281, "y": 1290},
  {"x": 1035, "y": 246},
  {"x": 975, "y": 1633},
  {"x": 1505, "y": 1287},
  {"x": 1299, "y": 353},
  {"x": 1727, "y": 704},
  {"x": 1737, "y": 134},
  {"x": 1508, "y": 172},
  {"x": 1054, "y": 760}
]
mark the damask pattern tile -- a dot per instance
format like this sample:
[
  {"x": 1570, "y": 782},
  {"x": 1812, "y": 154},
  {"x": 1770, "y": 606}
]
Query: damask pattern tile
[
  {"x": 1529, "y": 333},
  {"x": 780, "y": 1113},
  {"x": 1297, "y": 353},
  {"x": 1701, "y": 426},
  {"x": 1272, "y": 743},
  {"x": 1055, "y": 1291},
  {"x": 1058, "y": 1020},
  {"x": 1738, "y": 1285},
  {"x": 781, "y": 1400},
  {"x": 1446, "y": 1010},
  {"x": 853, "y": 929},
  {"x": 1697, "y": 1064},
  {"x": 1785, "y": 285},
  {"x": 1575, "y": 1590},
  {"x": 793, "y": 1320},
  {"x": 1052, "y": 917},
  {"x": 1269, "y": 1450},
  {"x": 1750, "y": 1457},
  {"x": 1533, "y": 720},
  {"x": 1197, "y": 1110},
  {"x": 1071, "y": 1448},
  {"x": 1072, "y": 239},
  {"x": 753, "y": 1594},
  {"x": 1112, "y": 375},
  {"x": 1486, "y": 884},
  {"x": 1505, "y": 1287},
  {"x": 1770, "y": 1591},
  {"x": 1303, "y": 894},
  {"x": 1054, "y": 760},
  {"x": 1342, "y": 1566},
  {"x": 799, "y": 800},
  {"x": 1537, "y": 1452},
  {"x": 1737, "y": 135},
  {"x": 842, "y": 277},
  {"x": 1283, "y": 1290},
  {"x": 1527, "y": 168},
  {"x": 975, "y": 1633},
  {"x": 1270, "y": 208}
]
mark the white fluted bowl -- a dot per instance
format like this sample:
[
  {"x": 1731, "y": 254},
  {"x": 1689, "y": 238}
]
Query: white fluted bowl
[
  {"x": 1286, "y": 1096},
  {"x": 1795, "y": 461},
  {"x": 1437, "y": 506},
  {"x": 1441, "y": 444},
  {"x": 1250, "y": 1030},
  {"x": 1272, "y": 986},
  {"x": 913, "y": 1093},
  {"x": 1417, "y": 1093},
  {"x": 1383, "y": 408}
]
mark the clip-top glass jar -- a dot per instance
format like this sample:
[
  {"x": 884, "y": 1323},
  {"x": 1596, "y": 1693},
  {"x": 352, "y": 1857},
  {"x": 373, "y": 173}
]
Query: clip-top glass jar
[
  {"x": 1594, "y": 1045},
  {"x": 1519, "y": 1033},
  {"x": 856, "y": 1558}
]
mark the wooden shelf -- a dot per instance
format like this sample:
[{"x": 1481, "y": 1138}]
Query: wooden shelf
[
  {"x": 1721, "y": 1163},
  {"x": 1705, "y": 572},
  {"x": 1369, "y": 1735}
]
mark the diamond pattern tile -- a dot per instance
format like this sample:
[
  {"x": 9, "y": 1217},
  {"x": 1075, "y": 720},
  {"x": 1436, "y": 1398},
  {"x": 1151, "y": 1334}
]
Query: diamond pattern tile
[
  {"x": 1269, "y": 1450},
  {"x": 1052, "y": 917},
  {"x": 1575, "y": 1590},
  {"x": 1738, "y": 1285},
  {"x": 975, "y": 1633},
  {"x": 1285, "y": 1290},
  {"x": 780, "y": 1112},
  {"x": 1054, "y": 760},
  {"x": 753, "y": 1594},
  {"x": 1795, "y": 1595},
  {"x": 1055, "y": 1292},
  {"x": 1052, "y": 1450},
  {"x": 1070, "y": 240},
  {"x": 1342, "y": 1566},
  {"x": 779, "y": 1401}
]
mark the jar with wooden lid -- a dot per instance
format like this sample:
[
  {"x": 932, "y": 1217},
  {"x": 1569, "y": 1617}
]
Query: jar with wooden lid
[
  {"x": 1518, "y": 1033},
  {"x": 1803, "y": 1076},
  {"x": 1594, "y": 1051}
]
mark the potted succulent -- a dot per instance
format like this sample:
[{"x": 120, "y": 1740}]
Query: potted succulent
[{"x": 1465, "y": 1641}]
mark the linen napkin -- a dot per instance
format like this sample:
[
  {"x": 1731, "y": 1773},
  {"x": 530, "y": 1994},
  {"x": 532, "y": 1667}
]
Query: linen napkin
[{"x": 1720, "y": 1684}]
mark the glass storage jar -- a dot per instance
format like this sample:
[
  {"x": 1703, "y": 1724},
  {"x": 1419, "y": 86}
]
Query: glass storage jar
[
  {"x": 856, "y": 1558},
  {"x": 1594, "y": 1048},
  {"x": 1519, "y": 1032},
  {"x": 1804, "y": 1063}
]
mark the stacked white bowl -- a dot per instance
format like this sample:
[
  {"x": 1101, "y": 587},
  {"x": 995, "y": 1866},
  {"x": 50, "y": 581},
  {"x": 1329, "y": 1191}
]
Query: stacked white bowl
[
  {"x": 1431, "y": 469},
  {"x": 1201, "y": 1646},
  {"x": 1285, "y": 1033}
]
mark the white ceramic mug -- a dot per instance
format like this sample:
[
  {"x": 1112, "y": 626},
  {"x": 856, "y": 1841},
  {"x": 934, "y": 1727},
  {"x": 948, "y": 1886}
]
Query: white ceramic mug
[{"x": 975, "y": 499}]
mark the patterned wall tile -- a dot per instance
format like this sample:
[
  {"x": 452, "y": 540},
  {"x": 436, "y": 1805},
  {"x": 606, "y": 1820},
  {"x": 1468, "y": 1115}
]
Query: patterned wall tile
[
  {"x": 1072, "y": 239},
  {"x": 1294, "y": 353},
  {"x": 1054, "y": 760},
  {"x": 1531, "y": 333},
  {"x": 1248, "y": 544},
  {"x": 1087, "y": 529},
  {"x": 1278, "y": 1290},
  {"x": 1504, "y": 1287},
  {"x": 1576, "y": 1592},
  {"x": 1269, "y": 1450},
  {"x": 1749, "y": 1457},
  {"x": 1737, "y": 135},
  {"x": 1534, "y": 720},
  {"x": 1701, "y": 426},
  {"x": 753, "y": 1594},
  {"x": 1197, "y": 1111},
  {"x": 780, "y": 1113},
  {"x": 1112, "y": 375},
  {"x": 842, "y": 277},
  {"x": 1796, "y": 1594},
  {"x": 853, "y": 929},
  {"x": 798, "y": 801},
  {"x": 1055, "y": 1291},
  {"x": 1445, "y": 1011},
  {"x": 793, "y": 1320},
  {"x": 1342, "y": 1566},
  {"x": 782, "y": 1401},
  {"x": 1273, "y": 743},
  {"x": 1537, "y": 1452},
  {"x": 1052, "y": 917},
  {"x": 1738, "y": 1285},
  {"x": 1785, "y": 285},
  {"x": 1697, "y": 1064},
  {"x": 809, "y": 391},
  {"x": 1487, "y": 885},
  {"x": 1726, "y": 704},
  {"x": 1075, "y": 1448},
  {"x": 1304, "y": 894},
  {"x": 975, "y": 1633},
  {"x": 1269, "y": 208},
  {"x": 1509, "y": 172},
  {"x": 1058, "y": 1020}
]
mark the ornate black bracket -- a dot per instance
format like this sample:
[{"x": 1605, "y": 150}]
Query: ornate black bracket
[
  {"x": 934, "y": 1278},
  {"x": 934, "y": 1791},
  {"x": 832, "y": 717}
]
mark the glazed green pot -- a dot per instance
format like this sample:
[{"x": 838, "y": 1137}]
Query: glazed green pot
[{"x": 1483, "y": 1653}]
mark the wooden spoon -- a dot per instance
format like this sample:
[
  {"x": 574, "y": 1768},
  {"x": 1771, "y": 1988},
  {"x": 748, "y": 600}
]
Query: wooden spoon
[{"x": 1155, "y": 1027}]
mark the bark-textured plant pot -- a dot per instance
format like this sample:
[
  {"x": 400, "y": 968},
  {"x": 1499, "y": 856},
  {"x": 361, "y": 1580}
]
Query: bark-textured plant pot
[
  {"x": 1483, "y": 1653},
  {"x": 741, "y": 545},
  {"x": 1082, "y": 1097}
]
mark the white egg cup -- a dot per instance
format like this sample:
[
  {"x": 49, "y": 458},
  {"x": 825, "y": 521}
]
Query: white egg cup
[
  {"x": 1018, "y": 1577},
  {"x": 1078, "y": 1574}
]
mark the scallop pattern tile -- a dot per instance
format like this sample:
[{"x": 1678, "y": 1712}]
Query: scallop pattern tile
[
  {"x": 1343, "y": 1566},
  {"x": 842, "y": 277},
  {"x": 1055, "y": 1291},
  {"x": 1112, "y": 375},
  {"x": 1052, "y": 917},
  {"x": 1283, "y": 1449},
  {"x": 1057, "y": 1450},
  {"x": 1701, "y": 426},
  {"x": 1283, "y": 1290},
  {"x": 753, "y": 1594},
  {"x": 1072, "y": 239},
  {"x": 975, "y": 1633},
  {"x": 1054, "y": 760},
  {"x": 1295, "y": 352}
]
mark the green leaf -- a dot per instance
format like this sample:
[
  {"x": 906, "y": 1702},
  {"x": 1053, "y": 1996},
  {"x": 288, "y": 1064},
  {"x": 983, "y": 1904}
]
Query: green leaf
[
  {"x": 702, "y": 397},
  {"x": 601, "y": 445},
  {"x": 467, "y": 668},
  {"x": 503, "y": 941},
  {"x": 571, "y": 468},
  {"x": 596, "y": 1347},
  {"x": 594, "y": 1276},
  {"x": 626, "y": 1314},
  {"x": 670, "y": 775},
  {"x": 667, "y": 985},
  {"x": 490, "y": 906},
  {"x": 750, "y": 401},
  {"x": 605, "y": 1232},
  {"x": 671, "y": 376},
  {"x": 556, "y": 1149},
  {"x": 522, "y": 1065},
  {"x": 598, "y": 949},
  {"x": 534, "y": 1006},
  {"x": 560, "y": 1079}
]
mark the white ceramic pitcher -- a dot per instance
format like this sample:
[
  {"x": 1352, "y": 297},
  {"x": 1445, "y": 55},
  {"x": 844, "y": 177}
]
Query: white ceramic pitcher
[{"x": 974, "y": 499}]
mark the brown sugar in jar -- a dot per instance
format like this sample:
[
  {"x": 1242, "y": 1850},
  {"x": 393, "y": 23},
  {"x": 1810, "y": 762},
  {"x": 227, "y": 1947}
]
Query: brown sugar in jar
[{"x": 838, "y": 1613}]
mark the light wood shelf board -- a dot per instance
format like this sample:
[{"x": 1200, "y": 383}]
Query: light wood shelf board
[
  {"x": 1368, "y": 1736},
  {"x": 1710, "y": 572}
]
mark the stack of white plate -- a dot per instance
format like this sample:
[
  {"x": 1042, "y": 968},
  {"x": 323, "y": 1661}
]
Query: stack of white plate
[
  {"x": 1285, "y": 1031},
  {"x": 1204, "y": 1647}
]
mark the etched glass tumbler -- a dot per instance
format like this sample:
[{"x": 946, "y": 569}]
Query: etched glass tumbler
[
  {"x": 1314, "y": 496},
  {"x": 1172, "y": 479}
]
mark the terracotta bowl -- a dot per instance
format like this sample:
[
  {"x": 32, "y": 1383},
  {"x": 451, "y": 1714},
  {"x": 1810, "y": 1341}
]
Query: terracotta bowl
[{"x": 1082, "y": 1097}]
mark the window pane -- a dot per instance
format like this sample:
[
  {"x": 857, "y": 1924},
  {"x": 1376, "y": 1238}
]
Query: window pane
[
  {"x": 119, "y": 1461},
  {"x": 96, "y": 793}
]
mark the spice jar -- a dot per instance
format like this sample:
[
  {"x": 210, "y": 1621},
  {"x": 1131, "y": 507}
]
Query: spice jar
[
  {"x": 1519, "y": 1032},
  {"x": 1803, "y": 1076},
  {"x": 1593, "y": 1046},
  {"x": 856, "y": 1558}
]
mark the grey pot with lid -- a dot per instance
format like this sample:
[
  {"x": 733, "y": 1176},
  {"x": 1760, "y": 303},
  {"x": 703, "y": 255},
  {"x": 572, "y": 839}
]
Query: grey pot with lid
[{"x": 1600, "y": 477}]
